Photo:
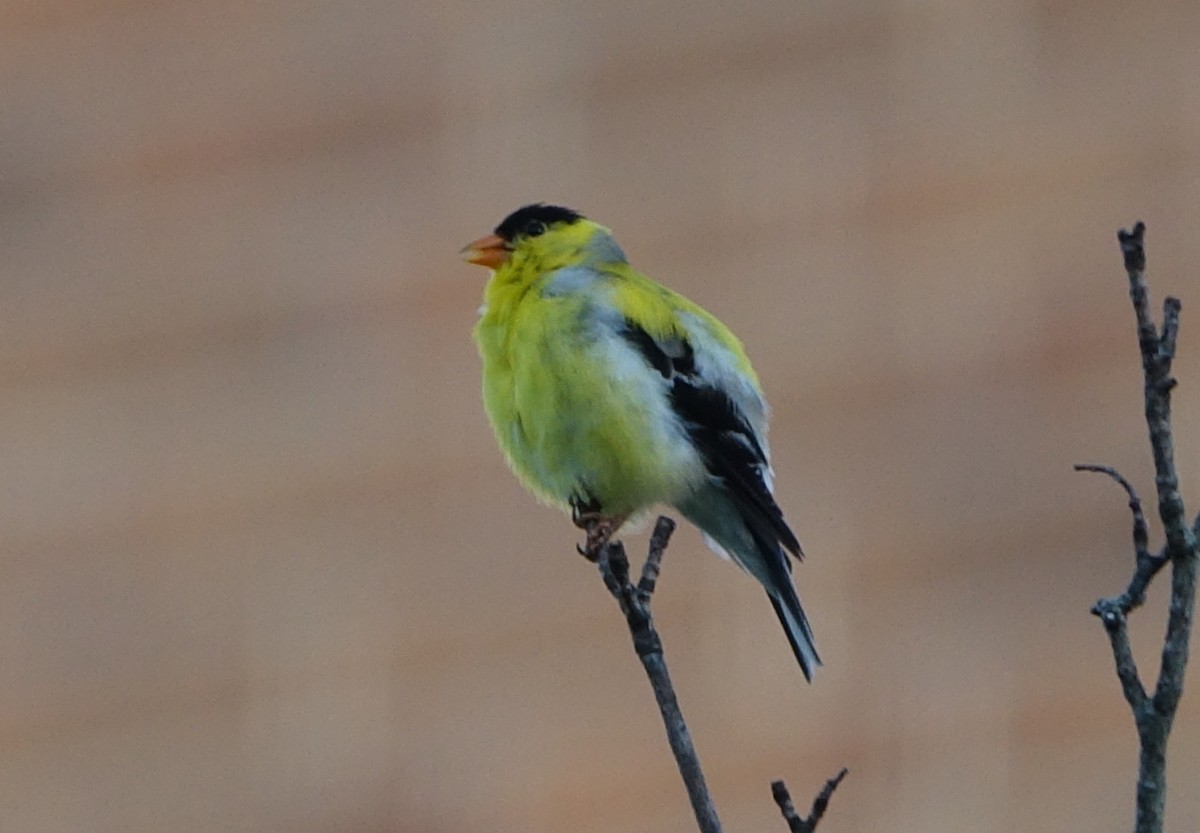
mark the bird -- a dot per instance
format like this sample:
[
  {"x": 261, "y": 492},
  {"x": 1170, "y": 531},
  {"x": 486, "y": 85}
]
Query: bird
[{"x": 610, "y": 394}]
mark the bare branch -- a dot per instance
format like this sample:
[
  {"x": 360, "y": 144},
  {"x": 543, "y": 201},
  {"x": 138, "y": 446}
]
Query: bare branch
[
  {"x": 1141, "y": 535},
  {"x": 1179, "y": 629},
  {"x": 658, "y": 546},
  {"x": 635, "y": 604},
  {"x": 795, "y": 823},
  {"x": 1112, "y": 614},
  {"x": 1153, "y": 714},
  {"x": 1158, "y": 352}
]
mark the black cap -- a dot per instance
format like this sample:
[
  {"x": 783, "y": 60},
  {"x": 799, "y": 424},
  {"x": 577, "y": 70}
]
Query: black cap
[{"x": 517, "y": 222}]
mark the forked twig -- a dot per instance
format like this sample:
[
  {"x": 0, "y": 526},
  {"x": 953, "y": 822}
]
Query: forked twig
[
  {"x": 1154, "y": 713},
  {"x": 634, "y": 601}
]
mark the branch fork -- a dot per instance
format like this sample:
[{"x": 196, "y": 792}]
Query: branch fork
[
  {"x": 1153, "y": 713},
  {"x": 634, "y": 601}
]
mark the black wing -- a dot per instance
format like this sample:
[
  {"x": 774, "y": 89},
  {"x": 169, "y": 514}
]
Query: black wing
[{"x": 722, "y": 434}]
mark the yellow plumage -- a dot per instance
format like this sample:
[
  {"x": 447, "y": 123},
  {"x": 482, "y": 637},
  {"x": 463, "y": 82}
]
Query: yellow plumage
[{"x": 610, "y": 393}]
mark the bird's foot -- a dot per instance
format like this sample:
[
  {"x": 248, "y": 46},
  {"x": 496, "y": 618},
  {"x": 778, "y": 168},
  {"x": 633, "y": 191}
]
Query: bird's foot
[
  {"x": 600, "y": 531},
  {"x": 584, "y": 513},
  {"x": 588, "y": 516}
]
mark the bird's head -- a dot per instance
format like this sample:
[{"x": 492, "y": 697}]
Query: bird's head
[{"x": 540, "y": 238}]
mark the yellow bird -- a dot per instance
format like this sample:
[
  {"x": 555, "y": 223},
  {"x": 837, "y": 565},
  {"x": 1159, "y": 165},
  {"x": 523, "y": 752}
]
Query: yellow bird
[{"x": 609, "y": 394}]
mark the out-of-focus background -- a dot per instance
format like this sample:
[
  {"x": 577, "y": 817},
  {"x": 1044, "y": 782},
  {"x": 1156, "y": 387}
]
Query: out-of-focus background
[{"x": 263, "y": 567}]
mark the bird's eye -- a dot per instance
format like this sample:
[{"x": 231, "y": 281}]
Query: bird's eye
[{"x": 534, "y": 227}]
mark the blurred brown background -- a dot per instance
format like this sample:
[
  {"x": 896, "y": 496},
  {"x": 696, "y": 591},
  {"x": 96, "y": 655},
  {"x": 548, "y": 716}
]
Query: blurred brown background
[{"x": 263, "y": 567}]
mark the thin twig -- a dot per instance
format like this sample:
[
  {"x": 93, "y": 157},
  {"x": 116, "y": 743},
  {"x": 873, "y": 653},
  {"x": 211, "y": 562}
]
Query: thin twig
[
  {"x": 795, "y": 823},
  {"x": 1147, "y": 564},
  {"x": 1112, "y": 615},
  {"x": 1158, "y": 352},
  {"x": 1141, "y": 534},
  {"x": 1153, "y": 714},
  {"x": 634, "y": 601},
  {"x": 635, "y": 604}
]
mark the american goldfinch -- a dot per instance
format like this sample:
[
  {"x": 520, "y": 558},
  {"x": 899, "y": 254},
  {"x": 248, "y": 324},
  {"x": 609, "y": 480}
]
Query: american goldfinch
[{"x": 610, "y": 394}]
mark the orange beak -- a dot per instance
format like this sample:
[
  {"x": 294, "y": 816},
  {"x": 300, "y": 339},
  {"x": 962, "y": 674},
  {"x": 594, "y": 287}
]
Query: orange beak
[{"x": 490, "y": 251}]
